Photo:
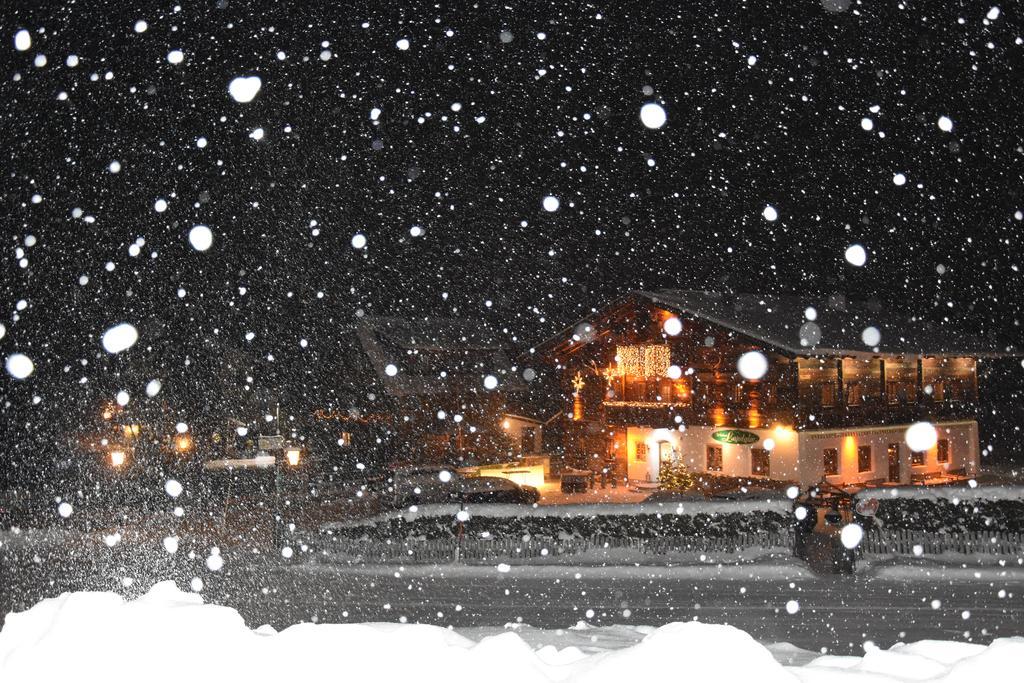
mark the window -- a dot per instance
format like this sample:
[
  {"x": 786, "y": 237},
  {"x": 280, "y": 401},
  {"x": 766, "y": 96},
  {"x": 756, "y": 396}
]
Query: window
[
  {"x": 917, "y": 458},
  {"x": 665, "y": 452},
  {"x": 527, "y": 438},
  {"x": 641, "y": 452},
  {"x": 831, "y": 461},
  {"x": 942, "y": 454},
  {"x": 759, "y": 464},
  {"x": 714, "y": 459},
  {"x": 345, "y": 440},
  {"x": 893, "y": 451},
  {"x": 901, "y": 392},
  {"x": 853, "y": 394},
  {"x": 864, "y": 459},
  {"x": 828, "y": 394}
]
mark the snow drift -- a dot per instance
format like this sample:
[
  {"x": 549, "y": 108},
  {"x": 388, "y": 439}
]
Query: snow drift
[{"x": 171, "y": 635}]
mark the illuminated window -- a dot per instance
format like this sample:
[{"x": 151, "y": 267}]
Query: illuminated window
[
  {"x": 830, "y": 460},
  {"x": 828, "y": 394},
  {"x": 345, "y": 440},
  {"x": 917, "y": 458},
  {"x": 942, "y": 454},
  {"x": 714, "y": 459},
  {"x": 864, "y": 459},
  {"x": 641, "y": 452},
  {"x": 759, "y": 461}
]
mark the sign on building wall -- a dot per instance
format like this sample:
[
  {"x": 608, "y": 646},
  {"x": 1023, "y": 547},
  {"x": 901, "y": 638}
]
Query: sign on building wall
[{"x": 734, "y": 436}]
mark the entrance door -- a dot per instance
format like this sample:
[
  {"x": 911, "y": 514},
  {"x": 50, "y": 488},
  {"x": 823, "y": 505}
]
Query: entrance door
[{"x": 894, "y": 462}]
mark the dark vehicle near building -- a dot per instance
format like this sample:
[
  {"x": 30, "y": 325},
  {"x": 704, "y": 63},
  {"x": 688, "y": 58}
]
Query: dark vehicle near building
[{"x": 420, "y": 485}]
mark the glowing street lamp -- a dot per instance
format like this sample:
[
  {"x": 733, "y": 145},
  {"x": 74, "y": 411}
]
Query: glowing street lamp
[
  {"x": 117, "y": 457},
  {"x": 292, "y": 456}
]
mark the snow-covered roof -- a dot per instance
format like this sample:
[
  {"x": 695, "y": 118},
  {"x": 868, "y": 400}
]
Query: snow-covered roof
[
  {"x": 836, "y": 330},
  {"x": 813, "y": 326},
  {"x": 433, "y": 355}
]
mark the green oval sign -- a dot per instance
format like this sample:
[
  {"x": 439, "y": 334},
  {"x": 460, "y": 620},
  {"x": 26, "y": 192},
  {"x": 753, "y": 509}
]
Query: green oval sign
[{"x": 735, "y": 436}]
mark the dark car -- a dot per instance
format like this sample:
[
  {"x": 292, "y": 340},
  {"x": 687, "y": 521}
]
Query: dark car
[
  {"x": 497, "y": 490},
  {"x": 426, "y": 485}
]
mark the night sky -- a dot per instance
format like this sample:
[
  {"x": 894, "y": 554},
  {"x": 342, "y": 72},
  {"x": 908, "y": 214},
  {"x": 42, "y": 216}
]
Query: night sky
[{"x": 491, "y": 108}]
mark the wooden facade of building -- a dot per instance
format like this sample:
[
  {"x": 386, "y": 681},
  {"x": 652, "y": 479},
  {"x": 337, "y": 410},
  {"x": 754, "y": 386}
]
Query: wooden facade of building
[{"x": 655, "y": 375}]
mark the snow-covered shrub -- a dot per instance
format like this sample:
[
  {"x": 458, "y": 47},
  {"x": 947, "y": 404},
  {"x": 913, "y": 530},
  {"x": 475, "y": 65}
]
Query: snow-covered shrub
[{"x": 713, "y": 525}]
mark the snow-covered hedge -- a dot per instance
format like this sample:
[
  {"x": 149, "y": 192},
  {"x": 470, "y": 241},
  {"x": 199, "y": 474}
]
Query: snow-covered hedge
[
  {"x": 712, "y": 519},
  {"x": 951, "y": 508},
  {"x": 951, "y": 493},
  {"x": 947, "y": 515}
]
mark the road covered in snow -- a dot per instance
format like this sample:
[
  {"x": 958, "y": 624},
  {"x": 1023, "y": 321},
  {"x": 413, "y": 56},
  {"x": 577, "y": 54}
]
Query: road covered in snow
[
  {"x": 776, "y": 600},
  {"x": 771, "y": 602}
]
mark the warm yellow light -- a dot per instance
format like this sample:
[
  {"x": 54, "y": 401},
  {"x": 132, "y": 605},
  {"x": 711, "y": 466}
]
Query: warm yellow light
[
  {"x": 292, "y": 456},
  {"x": 849, "y": 453},
  {"x": 183, "y": 443},
  {"x": 117, "y": 457},
  {"x": 718, "y": 416},
  {"x": 646, "y": 360},
  {"x": 506, "y": 424},
  {"x": 107, "y": 414},
  {"x": 529, "y": 475},
  {"x": 782, "y": 431}
]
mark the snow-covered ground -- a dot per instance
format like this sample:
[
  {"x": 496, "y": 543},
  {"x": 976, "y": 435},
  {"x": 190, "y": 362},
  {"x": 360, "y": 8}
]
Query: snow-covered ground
[{"x": 170, "y": 635}]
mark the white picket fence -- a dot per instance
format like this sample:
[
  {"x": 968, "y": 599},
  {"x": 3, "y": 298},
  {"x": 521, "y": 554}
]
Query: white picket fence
[
  {"x": 915, "y": 542},
  {"x": 484, "y": 550}
]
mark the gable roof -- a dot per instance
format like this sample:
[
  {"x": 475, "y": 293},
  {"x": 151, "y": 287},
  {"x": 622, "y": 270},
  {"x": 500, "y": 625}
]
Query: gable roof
[
  {"x": 422, "y": 349},
  {"x": 837, "y": 328}
]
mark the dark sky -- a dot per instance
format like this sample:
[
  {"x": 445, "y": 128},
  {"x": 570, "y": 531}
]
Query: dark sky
[{"x": 765, "y": 103}]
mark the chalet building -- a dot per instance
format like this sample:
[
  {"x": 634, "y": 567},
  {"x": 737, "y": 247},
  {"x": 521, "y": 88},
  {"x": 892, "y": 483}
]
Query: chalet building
[
  {"x": 654, "y": 376},
  {"x": 406, "y": 389}
]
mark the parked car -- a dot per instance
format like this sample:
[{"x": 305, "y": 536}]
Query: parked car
[
  {"x": 497, "y": 490},
  {"x": 423, "y": 484}
]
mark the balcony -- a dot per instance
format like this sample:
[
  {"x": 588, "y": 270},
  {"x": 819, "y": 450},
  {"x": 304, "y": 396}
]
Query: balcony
[
  {"x": 739, "y": 414},
  {"x": 878, "y": 413}
]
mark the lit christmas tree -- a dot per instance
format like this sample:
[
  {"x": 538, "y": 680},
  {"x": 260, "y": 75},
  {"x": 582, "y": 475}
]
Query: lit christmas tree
[{"x": 675, "y": 476}]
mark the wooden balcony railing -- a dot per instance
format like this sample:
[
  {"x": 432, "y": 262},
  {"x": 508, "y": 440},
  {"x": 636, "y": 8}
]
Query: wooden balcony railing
[{"x": 739, "y": 414}]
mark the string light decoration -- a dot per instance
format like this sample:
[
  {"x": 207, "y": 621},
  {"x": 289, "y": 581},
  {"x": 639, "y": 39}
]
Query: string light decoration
[{"x": 647, "y": 360}]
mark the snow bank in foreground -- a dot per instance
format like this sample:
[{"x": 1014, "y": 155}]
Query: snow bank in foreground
[{"x": 171, "y": 635}]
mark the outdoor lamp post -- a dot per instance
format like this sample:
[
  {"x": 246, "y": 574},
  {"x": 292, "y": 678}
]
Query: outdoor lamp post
[
  {"x": 289, "y": 456},
  {"x": 117, "y": 458}
]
